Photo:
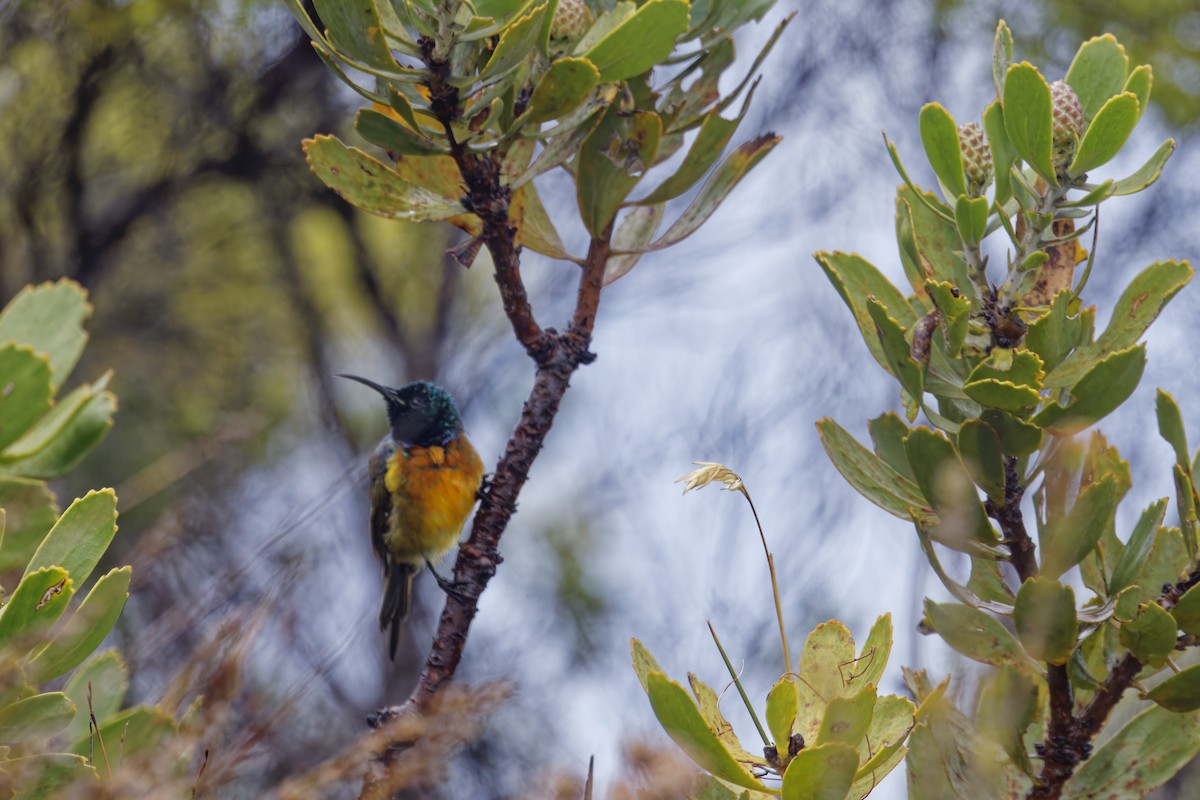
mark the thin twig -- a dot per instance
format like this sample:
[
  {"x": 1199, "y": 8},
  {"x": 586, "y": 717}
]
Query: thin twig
[{"x": 787, "y": 658}]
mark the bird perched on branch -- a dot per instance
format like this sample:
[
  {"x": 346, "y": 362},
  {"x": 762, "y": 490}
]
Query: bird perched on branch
[{"x": 425, "y": 476}]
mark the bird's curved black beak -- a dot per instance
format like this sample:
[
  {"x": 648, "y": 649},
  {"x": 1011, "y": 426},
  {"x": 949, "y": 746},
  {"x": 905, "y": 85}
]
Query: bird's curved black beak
[{"x": 386, "y": 391}]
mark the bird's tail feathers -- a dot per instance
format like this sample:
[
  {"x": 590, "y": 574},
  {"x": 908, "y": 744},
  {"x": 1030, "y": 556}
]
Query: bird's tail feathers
[{"x": 397, "y": 600}]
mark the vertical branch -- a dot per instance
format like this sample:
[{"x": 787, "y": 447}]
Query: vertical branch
[{"x": 556, "y": 357}]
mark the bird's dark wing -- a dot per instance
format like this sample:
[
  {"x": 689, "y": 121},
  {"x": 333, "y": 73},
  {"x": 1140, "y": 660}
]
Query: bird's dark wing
[{"x": 381, "y": 499}]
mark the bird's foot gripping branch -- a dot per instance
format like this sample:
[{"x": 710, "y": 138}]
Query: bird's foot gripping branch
[{"x": 472, "y": 104}]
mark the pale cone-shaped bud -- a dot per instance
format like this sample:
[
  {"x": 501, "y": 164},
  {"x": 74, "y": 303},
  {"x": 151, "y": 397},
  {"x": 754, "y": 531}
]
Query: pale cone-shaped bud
[
  {"x": 1067, "y": 112},
  {"x": 571, "y": 20},
  {"x": 976, "y": 156}
]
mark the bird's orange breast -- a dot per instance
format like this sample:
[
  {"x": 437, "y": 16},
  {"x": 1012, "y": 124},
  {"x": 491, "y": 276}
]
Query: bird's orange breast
[{"x": 433, "y": 490}]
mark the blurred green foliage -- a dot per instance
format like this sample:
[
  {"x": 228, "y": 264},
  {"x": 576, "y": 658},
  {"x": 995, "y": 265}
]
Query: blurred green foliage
[{"x": 151, "y": 152}]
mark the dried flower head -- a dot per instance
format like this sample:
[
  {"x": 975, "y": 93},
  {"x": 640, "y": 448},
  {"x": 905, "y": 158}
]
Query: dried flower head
[{"x": 711, "y": 471}]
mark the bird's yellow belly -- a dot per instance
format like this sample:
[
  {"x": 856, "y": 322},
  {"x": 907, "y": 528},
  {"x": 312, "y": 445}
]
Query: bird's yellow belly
[{"x": 433, "y": 490}]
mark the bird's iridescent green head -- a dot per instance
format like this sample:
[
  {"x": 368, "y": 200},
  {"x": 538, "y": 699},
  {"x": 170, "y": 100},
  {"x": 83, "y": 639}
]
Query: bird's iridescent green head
[{"x": 421, "y": 414}]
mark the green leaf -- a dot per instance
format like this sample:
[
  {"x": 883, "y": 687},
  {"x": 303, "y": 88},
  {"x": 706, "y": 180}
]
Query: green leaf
[
  {"x": 1045, "y": 619},
  {"x": 947, "y": 486},
  {"x": 51, "y": 424},
  {"x": 86, "y": 629},
  {"x": 1003, "y": 395},
  {"x": 987, "y": 582},
  {"x": 715, "y": 133},
  {"x": 1068, "y": 540},
  {"x": 827, "y": 657},
  {"x": 1143, "y": 755},
  {"x": 1027, "y": 118},
  {"x": 1180, "y": 692},
  {"x": 1151, "y": 636},
  {"x": 605, "y": 24},
  {"x": 971, "y": 215},
  {"x": 394, "y": 137},
  {"x": 868, "y": 667},
  {"x": 939, "y": 135},
  {"x": 29, "y": 513},
  {"x": 108, "y": 679},
  {"x": 856, "y": 279},
  {"x": 48, "y": 776},
  {"x": 640, "y": 41},
  {"x": 25, "y": 391},
  {"x": 896, "y": 350},
  {"x": 683, "y": 107},
  {"x": 1185, "y": 498},
  {"x": 1003, "y": 153},
  {"x": 1094, "y": 197},
  {"x": 612, "y": 160},
  {"x": 1056, "y": 333},
  {"x": 500, "y": 10},
  {"x": 49, "y": 318},
  {"x": 562, "y": 142},
  {"x": 565, "y": 86},
  {"x": 683, "y": 722},
  {"x": 1147, "y": 173},
  {"x": 35, "y": 717},
  {"x": 1002, "y": 53},
  {"x": 36, "y": 604},
  {"x": 1017, "y": 437},
  {"x": 1008, "y": 705},
  {"x": 1098, "y": 72},
  {"x": 634, "y": 232},
  {"x": 1100, "y": 391},
  {"x": 82, "y": 431},
  {"x": 356, "y": 30},
  {"x": 1139, "y": 83},
  {"x": 1167, "y": 562},
  {"x": 1170, "y": 426},
  {"x": 871, "y": 476},
  {"x": 956, "y": 314},
  {"x": 1007, "y": 380},
  {"x": 883, "y": 747},
  {"x": 535, "y": 230},
  {"x": 1137, "y": 550},
  {"x": 79, "y": 538},
  {"x": 976, "y": 634},
  {"x": 1137, "y": 307},
  {"x": 517, "y": 41},
  {"x": 823, "y": 772},
  {"x": 781, "y": 711},
  {"x": 930, "y": 246},
  {"x": 367, "y": 183},
  {"x": 720, "y": 183},
  {"x": 1107, "y": 134},
  {"x": 710, "y": 708},
  {"x": 979, "y": 446},
  {"x": 1187, "y": 611},
  {"x": 847, "y": 718},
  {"x": 402, "y": 106},
  {"x": 141, "y": 729},
  {"x": 887, "y": 438}
]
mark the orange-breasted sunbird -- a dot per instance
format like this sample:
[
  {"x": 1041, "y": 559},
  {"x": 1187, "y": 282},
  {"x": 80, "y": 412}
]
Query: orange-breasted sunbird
[{"x": 425, "y": 476}]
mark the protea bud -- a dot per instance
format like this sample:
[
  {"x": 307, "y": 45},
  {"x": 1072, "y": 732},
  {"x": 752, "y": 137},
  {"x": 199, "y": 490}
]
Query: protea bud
[
  {"x": 976, "y": 156},
  {"x": 1068, "y": 112},
  {"x": 571, "y": 20}
]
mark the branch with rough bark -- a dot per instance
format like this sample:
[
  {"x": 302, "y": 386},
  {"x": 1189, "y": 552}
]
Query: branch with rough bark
[
  {"x": 1069, "y": 735},
  {"x": 556, "y": 357}
]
